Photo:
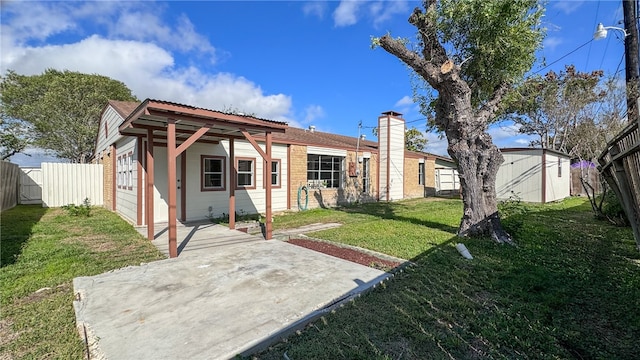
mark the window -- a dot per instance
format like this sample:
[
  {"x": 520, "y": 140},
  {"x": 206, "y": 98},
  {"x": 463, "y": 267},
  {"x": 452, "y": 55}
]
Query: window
[
  {"x": 421, "y": 173},
  {"x": 246, "y": 173},
  {"x": 212, "y": 170},
  {"x": 559, "y": 167},
  {"x": 119, "y": 171},
  {"x": 365, "y": 175},
  {"x": 275, "y": 173},
  {"x": 130, "y": 171},
  {"x": 324, "y": 170}
]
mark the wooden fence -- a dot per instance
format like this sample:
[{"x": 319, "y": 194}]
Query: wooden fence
[
  {"x": 620, "y": 166},
  {"x": 9, "y": 175}
]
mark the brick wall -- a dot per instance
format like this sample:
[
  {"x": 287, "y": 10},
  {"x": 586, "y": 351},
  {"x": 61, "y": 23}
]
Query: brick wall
[
  {"x": 325, "y": 197},
  {"x": 107, "y": 165},
  {"x": 297, "y": 173},
  {"x": 430, "y": 177},
  {"x": 412, "y": 188}
]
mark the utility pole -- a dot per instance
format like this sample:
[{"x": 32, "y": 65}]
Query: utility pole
[{"x": 632, "y": 73}]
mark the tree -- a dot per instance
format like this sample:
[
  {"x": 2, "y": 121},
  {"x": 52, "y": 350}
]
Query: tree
[
  {"x": 469, "y": 53},
  {"x": 14, "y": 137},
  {"x": 600, "y": 121},
  {"x": 61, "y": 107},
  {"x": 415, "y": 140},
  {"x": 556, "y": 107}
]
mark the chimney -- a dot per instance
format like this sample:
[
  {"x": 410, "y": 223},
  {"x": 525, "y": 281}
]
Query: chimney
[
  {"x": 312, "y": 128},
  {"x": 391, "y": 130}
]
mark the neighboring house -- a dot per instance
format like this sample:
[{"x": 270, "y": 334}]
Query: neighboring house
[
  {"x": 227, "y": 164},
  {"x": 533, "y": 175}
]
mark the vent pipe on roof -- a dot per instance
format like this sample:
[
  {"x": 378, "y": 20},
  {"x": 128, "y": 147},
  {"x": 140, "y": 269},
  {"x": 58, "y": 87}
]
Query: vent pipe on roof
[{"x": 312, "y": 128}]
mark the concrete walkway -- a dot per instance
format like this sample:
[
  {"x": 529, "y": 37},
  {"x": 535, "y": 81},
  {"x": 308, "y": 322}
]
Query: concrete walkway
[{"x": 227, "y": 293}]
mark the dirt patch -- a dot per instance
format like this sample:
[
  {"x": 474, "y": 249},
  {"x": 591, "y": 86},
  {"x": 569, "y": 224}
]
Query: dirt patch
[
  {"x": 42, "y": 293},
  {"x": 348, "y": 254}
]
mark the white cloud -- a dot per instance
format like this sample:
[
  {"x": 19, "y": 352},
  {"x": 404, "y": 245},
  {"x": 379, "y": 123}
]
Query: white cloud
[
  {"x": 550, "y": 43},
  {"x": 567, "y": 6},
  {"x": 146, "y": 26},
  {"x": 145, "y": 62},
  {"x": 506, "y": 135},
  {"x": 36, "y": 21},
  {"x": 436, "y": 144},
  {"x": 346, "y": 13},
  {"x": 315, "y": 8},
  {"x": 385, "y": 10},
  {"x": 313, "y": 112},
  {"x": 405, "y": 101},
  {"x": 349, "y": 12}
]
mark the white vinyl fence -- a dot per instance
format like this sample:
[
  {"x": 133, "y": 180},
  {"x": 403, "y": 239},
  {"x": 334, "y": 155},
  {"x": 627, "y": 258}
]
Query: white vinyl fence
[
  {"x": 31, "y": 185},
  {"x": 64, "y": 184},
  {"x": 447, "y": 181}
]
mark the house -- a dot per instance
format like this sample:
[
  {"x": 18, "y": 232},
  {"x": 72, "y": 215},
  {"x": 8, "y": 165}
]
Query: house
[
  {"x": 533, "y": 175},
  {"x": 165, "y": 162}
]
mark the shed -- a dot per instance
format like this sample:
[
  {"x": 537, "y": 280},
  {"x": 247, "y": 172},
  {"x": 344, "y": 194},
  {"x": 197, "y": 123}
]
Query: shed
[{"x": 533, "y": 175}]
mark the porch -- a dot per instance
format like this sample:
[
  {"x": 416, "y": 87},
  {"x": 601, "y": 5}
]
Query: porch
[{"x": 195, "y": 238}]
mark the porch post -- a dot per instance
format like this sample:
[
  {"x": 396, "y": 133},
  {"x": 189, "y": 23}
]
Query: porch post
[
  {"x": 268, "y": 226},
  {"x": 140, "y": 171},
  {"x": 183, "y": 186},
  {"x": 149, "y": 193},
  {"x": 171, "y": 181},
  {"x": 232, "y": 184}
]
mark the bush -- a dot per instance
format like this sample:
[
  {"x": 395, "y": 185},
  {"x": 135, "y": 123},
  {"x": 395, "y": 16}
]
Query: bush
[
  {"x": 79, "y": 210},
  {"x": 612, "y": 209},
  {"x": 512, "y": 213}
]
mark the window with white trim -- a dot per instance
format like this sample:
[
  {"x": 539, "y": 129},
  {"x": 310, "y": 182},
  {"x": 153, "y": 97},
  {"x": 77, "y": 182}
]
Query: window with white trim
[
  {"x": 275, "y": 172},
  {"x": 119, "y": 171},
  {"x": 324, "y": 170},
  {"x": 246, "y": 172},
  {"x": 212, "y": 169},
  {"x": 365, "y": 175},
  {"x": 130, "y": 170}
]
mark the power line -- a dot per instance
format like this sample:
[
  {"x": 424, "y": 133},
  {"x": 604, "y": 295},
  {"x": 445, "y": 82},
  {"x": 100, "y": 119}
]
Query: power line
[
  {"x": 595, "y": 22},
  {"x": 564, "y": 56},
  {"x": 406, "y": 122}
]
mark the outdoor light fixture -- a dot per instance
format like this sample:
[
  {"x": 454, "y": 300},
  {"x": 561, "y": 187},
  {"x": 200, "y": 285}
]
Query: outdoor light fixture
[{"x": 601, "y": 31}]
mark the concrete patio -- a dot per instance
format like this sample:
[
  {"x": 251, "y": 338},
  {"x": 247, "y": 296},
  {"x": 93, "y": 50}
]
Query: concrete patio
[{"x": 227, "y": 293}]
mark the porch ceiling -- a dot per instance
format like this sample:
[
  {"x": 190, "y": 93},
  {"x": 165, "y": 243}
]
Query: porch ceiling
[{"x": 155, "y": 115}]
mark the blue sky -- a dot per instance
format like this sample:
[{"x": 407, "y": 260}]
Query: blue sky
[{"x": 306, "y": 63}]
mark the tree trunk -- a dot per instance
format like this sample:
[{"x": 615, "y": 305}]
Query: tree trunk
[{"x": 478, "y": 161}]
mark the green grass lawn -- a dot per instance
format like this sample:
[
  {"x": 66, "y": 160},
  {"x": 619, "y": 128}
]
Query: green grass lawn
[
  {"x": 42, "y": 250},
  {"x": 570, "y": 289}
]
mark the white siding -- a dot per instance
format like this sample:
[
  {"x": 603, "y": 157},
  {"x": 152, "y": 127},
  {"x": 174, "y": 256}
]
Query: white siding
[
  {"x": 557, "y": 187},
  {"x": 126, "y": 197},
  {"x": 326, "y": 151},
  {"x": 391, "y": 140},
  {"x": 247, "y": 201},
  {"x": 520, "y": 175},
  {"x": 112, "y": 119},
  {"x": 64, "y": 184}
]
